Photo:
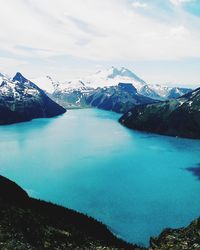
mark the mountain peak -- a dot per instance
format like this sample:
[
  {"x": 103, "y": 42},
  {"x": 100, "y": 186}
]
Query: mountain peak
[
  {"x": 123, "y": 72},
  {"x": 19, "y": 78}
]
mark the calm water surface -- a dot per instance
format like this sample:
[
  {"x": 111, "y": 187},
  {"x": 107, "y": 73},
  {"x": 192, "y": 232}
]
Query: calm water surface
[{"x": 136, "y": 183}]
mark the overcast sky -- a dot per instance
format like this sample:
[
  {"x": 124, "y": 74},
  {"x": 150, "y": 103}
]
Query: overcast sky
[{"x": 158, "y": 39}]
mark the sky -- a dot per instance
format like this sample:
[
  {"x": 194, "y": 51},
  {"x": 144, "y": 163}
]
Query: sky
[{"x": 159, "y": 40}]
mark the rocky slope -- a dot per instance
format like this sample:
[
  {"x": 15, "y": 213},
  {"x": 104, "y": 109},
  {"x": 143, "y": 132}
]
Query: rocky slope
[
  {"x": 22, "y": 100},
  {"x": 27, "y": 223},
  {"x": 187, "y": 238},
  {"x": 118, "y": 98},
  {"x": 179, "y": 117}
]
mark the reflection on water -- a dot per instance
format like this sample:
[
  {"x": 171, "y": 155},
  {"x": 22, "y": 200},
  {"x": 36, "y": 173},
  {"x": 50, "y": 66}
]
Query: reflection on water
[{"x": 195, "y": 171}]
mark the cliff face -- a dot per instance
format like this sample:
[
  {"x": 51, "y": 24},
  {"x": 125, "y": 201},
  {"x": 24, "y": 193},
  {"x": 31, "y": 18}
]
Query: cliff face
[
  {"x": 22, "y": 100},
  {"x": 178, "y": 117}
]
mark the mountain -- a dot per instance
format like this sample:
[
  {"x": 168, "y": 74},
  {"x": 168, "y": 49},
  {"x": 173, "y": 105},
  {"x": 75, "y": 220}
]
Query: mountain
[
  {"x": 176, "y": 117},
  {"x": 22, "y": 100},
  {"x": 118, "y": 98},
  {"x": 114, "y": 76},
  {"x": 103, "y": 90},
  {"x": 74, "y": 93},
  {"x": 162, "y": 93},
  {"x": 27, "y": 223}
]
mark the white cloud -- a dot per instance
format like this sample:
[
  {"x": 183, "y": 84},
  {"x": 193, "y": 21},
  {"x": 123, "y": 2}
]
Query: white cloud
[{"x": 102, "y": 30}]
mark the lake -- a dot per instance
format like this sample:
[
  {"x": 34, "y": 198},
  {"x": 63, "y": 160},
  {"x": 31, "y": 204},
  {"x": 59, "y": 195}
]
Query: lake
[{"x": 136, "y": 183}]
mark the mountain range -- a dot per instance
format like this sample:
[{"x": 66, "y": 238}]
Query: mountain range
[
  {"x": 154, "y": 108},
  {"x": 103, "y": 87},
  {"x": 111, "y": 77}
]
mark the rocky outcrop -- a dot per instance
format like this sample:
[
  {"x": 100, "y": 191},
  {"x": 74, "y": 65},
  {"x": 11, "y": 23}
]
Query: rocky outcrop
[
  {"x": 179, "y": 117},
  {"x": 187, "y": 238},
  {"x": 22, "y": 100}
]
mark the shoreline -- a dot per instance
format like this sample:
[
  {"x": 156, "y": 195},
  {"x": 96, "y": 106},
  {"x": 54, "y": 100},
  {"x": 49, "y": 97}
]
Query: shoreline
[{"x": 29, "y": 223}]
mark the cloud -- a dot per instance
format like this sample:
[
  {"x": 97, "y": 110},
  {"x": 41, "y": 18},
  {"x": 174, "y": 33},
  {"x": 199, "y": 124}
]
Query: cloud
[
  {"x": 6, "y": 62},
  {"x": 95, "y": 30},
  {"x": 36, "y": 31},
  {"x": 83, "y": 26}
]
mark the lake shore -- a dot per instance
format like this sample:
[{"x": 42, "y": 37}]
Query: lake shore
[{"x": 27, "y": 223}]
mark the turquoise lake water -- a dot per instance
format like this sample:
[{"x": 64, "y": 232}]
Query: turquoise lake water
[{"x": 136, "y": 183}]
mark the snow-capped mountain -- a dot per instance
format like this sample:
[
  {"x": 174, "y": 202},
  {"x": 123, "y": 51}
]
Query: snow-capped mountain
[
  {"x": 22, "y": 100},
  {"x": 161, "y": 92},
  {"x": 111, "y": 77},
  {"x": 75, "y": 93},
  {"x": 114, "y": 76},
  {"x": 71, "y": 94},
  {"x": 103, "y": 90}
]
